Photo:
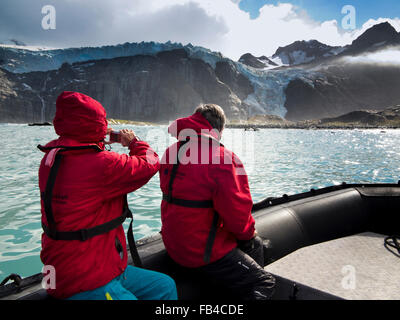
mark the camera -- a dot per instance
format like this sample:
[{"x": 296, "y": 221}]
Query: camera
[{"x": 115, "y": 136}]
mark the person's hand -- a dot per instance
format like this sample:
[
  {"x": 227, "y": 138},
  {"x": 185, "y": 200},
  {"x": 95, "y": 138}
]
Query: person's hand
[
  {"x": 107, "y": 134},
  {"x": 127, "y": 136}
]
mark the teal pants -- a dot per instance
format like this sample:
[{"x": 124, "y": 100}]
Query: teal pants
[{"x": 133, "y": 284}]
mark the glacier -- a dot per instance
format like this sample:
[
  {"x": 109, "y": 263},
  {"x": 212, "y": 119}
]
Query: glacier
[
  {"x": 20, "y": 59},
  {"x": 269, "y": 88},
  {"x": 269, "y": 84}
]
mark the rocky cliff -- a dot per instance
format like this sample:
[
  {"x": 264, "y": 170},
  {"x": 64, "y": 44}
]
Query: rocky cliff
[
  {"x": 142, "y": 87},
  {"x": 18, "y": 103},
  {"x": 389, "y": 117}
]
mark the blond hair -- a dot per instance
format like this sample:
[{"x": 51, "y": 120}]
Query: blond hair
[{"x": 214, "y": 114}]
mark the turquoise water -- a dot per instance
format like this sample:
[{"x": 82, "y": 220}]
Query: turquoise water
[{"x": 277, "y": 162}]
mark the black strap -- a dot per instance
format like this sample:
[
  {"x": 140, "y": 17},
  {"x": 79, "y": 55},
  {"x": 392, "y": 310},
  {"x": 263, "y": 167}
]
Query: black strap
[
  {"x": 15, "y": 277},
  {"x": 174, "y": 170},
  {"x": 194, "y": 203},
  {"x": 211, "y": 237},
  {"x": 66, "y": 148},
  {"x": 84, "y": 234},
  {"x": 393, "y": 242},
  {"x": 131, "y": 239},
  {"x": 48, "y": 195},
  {"x": 132, "y": 247},
  {"x": 188, "y": 203}
]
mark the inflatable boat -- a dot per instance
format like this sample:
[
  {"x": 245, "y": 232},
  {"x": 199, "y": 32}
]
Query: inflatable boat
[{"x": 339, "y": 242}]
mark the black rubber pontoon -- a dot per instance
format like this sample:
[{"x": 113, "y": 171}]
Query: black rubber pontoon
[{"x": 286, "y": 224}]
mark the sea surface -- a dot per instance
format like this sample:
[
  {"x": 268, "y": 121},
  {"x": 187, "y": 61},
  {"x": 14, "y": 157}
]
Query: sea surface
[{"x": 277, "y": 161}]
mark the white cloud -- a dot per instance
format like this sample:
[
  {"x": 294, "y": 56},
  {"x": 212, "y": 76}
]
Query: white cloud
[
  {"x": 281, "y": 25},
  {"x": 277, "y": 25}
]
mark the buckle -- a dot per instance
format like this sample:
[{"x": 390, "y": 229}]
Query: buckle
[
  {"x": 84, "y": 234},
  {"x": 169, "y": 198}
]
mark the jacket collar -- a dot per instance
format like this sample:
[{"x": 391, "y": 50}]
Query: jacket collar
[
  {"x": 195, "y": 124},
  {"x": 79, "y": 147}
]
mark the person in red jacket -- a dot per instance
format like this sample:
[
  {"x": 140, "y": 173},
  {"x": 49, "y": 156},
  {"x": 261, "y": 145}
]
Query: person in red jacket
[
  {"x": 83, "y": 204},
  {"x": 206, "y": 209}
]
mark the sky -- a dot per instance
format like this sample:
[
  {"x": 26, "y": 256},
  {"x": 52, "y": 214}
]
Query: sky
[
  {"x": 232, "y": 27},
  {"x": 322, "y": 10}
]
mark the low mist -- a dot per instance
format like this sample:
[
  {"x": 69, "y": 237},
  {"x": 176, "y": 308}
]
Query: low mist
[{"x": 386, "y": 57}]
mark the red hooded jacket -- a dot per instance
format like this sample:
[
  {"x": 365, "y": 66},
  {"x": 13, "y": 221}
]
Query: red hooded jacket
[
  {"x": 89, "y": 190},
  {"x": 207, "y": 174}
]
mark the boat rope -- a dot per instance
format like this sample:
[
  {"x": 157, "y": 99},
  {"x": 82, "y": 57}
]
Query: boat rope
[
  {"x": 15, "y": 277},
  {"x": 393, "y": 242}
]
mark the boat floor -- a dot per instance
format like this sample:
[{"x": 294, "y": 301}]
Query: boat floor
[{"x": 357, "y": 267}]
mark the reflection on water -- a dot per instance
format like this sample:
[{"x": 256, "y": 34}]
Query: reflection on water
[{"x": 277, "y": 162}]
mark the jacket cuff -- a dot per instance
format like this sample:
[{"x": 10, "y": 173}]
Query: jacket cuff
[{"x": 133, "y": 142}]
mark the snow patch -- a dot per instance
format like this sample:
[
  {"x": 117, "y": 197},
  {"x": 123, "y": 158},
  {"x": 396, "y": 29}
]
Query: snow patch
[
  {"x": 26, "y": 87},
  {"x": 21, "y": 47},
  {"x": 278, "y": 61}
]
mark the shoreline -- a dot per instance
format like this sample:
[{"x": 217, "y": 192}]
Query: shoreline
[
  {"x": 253, "y": 127},
  {"x": 247, "y": 126}
]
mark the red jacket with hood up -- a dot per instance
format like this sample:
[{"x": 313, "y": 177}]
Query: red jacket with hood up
[
  {"x": 89, "y": 191},
  {"x": 185, "y": 230}
]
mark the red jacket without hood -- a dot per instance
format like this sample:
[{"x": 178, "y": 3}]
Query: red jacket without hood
[
  {"x": 185, "y": 230},
  {"x": 89, "y": 191}
]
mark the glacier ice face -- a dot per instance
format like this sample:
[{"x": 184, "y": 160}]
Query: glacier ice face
[
  {"x": 26, "y": 59},
  {"x": 269, "y": 88},
  {"x": 20, "y": 59},
  {"x": 206, "y": 55}
]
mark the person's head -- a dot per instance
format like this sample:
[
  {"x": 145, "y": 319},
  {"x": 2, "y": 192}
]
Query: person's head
[
  {"x": 80, "y": 117},
  {"x": 214, "y": 114}
]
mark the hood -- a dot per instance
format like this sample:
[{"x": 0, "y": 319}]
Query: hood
[
  {"x": 195, "y": 122},
  {"x": 80, "y": 117}
]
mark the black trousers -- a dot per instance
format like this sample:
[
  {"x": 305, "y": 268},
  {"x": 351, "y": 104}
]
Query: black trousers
[{"x": 241, "y": 271}]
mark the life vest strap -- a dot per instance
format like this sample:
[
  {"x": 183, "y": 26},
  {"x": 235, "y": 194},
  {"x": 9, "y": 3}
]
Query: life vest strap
[
  {"x": 83, "y": 234},
  {"x": 188, "y": 203},
  {"x": 194, "y": 203},
  {"x": 211, "y": 237}
]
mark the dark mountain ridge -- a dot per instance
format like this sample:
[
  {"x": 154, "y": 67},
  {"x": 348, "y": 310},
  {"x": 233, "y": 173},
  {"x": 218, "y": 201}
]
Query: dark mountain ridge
[{"x": 142, "y": 87}]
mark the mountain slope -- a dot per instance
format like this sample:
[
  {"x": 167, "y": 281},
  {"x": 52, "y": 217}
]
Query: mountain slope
[
  {"x": 259, "y": 63},
  {"x": 387, "y": 117},
  {"x": 301, "y": 52},
  {"x": 341, "y": 89},
  {"x": 143, "y": 87},
  {"x": 377, "y": 37},
  {"x": 18, "y": 102}
]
